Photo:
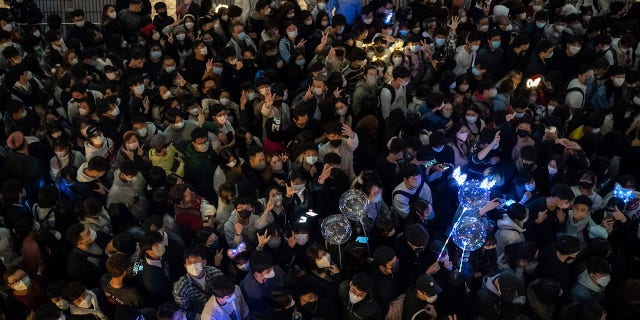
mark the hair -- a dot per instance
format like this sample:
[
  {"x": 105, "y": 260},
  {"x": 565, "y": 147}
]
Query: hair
[
  {"x": 260, "y": 261},
  {"x": 73, "y": 233},
  {"x": 582, "y": 199},
  {"x": 409, "y": 171},
  {"x": 98, "y": 164},
  {"x": 198, "y": 133},
  {"x": 400, "y": 72},
  {"x": 222, "y": 286},
  {"x": 417, "y": 235},
  {"x": 117, "y": 264},
  {"x": 148, "y": 240},
  {"x": 129, "y": 168},
  {"x": 73, "y": 290},
  {"x": 194, "y": 251},
  {"x": 562, "y": 192},
  {"x": 91, "y": 207}
]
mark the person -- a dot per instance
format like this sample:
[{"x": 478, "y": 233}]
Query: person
[
  {"x": 84, "y": 302},
  {"x": 592, "y": 281},
  {"x": 87, "y": 257},
  {"x": 386, "y": 287},
  {"x": 25, "y": 290},
  {"x": 114, "y": 288},
  {"x": 226, "y": 302},
  {"x": 548, "y": 215},
  {"x": 192, "y": 290},
  {"x": 510, "y": 227},
  {"x": 554, "y": 260},
  {"x": 411, "y": 186},
  {"x": 496, "y": 298},
  {"x": 156, "y": 276},
  {"x": 344, "y": 147},
  {"x": 264, "y": 276},
  {"x": 357, "y": 300},
  {"x": 419, "y": 302}
]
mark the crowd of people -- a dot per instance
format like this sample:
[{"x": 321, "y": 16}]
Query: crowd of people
[{"x": 180, "y": 167}]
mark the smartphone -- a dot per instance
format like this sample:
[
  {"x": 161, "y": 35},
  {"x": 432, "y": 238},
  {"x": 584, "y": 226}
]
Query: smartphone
[
  {"x": 445, "y": 166},
  {"x": 362, "y": 239},
  {"x": 509, "y": 202},
  {"x": 608, "y": 213}
]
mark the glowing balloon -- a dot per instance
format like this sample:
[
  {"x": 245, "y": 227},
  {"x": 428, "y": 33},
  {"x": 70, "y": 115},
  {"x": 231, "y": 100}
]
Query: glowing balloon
[
  {"x": 472, "y": 195},
  {"x": 353, "y": 204},
  {"x": 336, "y": 229},
  {"x": 469, "y": 233}
]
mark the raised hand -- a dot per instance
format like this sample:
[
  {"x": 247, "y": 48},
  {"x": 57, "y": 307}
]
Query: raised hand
[
  {"x": 331, "y": 54},
  {"x": 141, "y": 150},
  {"x": 217, "y": 260},
  {"x": 300, "y": 44},
  {"x": 263, "y": 239},
  {"x": 346, "y": 130},
  {"x": 337, "y": 92},
  {"x": 209, "y": 66},
  {"x": 291, "y": 241},
  {"x": 542, "y": 215},
  {"x": 453, "y": 25},
  {"x": 326, "y": 173},
  {"x": 308, "y": 95}
]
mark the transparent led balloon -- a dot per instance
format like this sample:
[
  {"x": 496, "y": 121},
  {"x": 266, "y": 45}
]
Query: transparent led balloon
[
  {"x": 473, "y": 195},
  {"x": 353, "y": 204},
  {"x": 336, "y": 229},
  {"x": 469, "y": 233}
]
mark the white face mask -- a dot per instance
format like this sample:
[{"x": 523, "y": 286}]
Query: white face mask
[
  {"x": 62, "y": 304},
  {"x": 86, "y": 302},
  {"x": 83, "y": 112},
  {"x": 224, "y": 101},
  {"x": 311, "y": 159},
  {"x": 354, "y": 298},
  {"x": 189, "y": 25},
  {"x": 112, "y": 15},
  {"x": 324, "y": 262},
  {"x": 552, "y": 170},
  {"x": 322, "y": 5},
  {"x": 302, "y": 239},
  {"x": 462, "y": 136},
  {"x": 23, "y": 284},
  {"x": 636, "y": 100},
  {"x": 181, "y": 36},
  {"x": 132, "y": 146},
  {"x": 604, "y": 281},
  {"x": 471, "y": 119},
  {"x": 271, "y": 274},
  {"x": 203, "y": 147},
  {"x": 80, "y": 24},
  {"x": 618, "y": 81},
  {"x": 232, "y": 164},
  {"x": 317, "y": 91},
  {"x": 194, "y": 269},
  {"x": 397, "y": 60},
  {"x": 142, "y": 132}
]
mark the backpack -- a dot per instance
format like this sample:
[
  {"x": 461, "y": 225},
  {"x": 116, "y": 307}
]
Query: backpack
[
  {"x": 413, "y": 198},
  {"x": 391, "y": 89}
]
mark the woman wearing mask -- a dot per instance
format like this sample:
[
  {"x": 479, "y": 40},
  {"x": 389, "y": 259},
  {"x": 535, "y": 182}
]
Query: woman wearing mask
[
  {"x": 586, "y": 187},
  {"x": 110, "y": 24},
  {"x": 460, "y": 140},
  {"x": 132, "y": 150},
  {"x": 229, "y": 170},
  {"x": 473, "y": 121},
  {"x": 289, "y": 45},
  {"x": 461, "y": 92},
  {"x": 323, "y": 275}
]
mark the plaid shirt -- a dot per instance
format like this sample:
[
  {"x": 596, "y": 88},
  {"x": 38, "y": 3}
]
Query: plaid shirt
[{"x": 190, "y": 296}]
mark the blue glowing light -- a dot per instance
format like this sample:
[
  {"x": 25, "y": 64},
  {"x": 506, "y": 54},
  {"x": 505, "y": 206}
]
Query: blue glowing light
[
  {"x": 623, "y": 193},
  {"x": 469, "y": 234}
]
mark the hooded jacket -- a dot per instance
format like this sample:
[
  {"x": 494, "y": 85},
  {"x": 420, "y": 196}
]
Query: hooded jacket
[
  {"x": 509, "y": 232},
  {"x": 367, "y": 309},
  {"x": 172, "y": 162}
]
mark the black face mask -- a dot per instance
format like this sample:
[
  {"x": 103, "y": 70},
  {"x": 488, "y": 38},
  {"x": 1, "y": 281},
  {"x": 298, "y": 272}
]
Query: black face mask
[
  {"x": 522, "y": 133},
  {"x": 335, "y": 143},
  {"x": 585, "y": 185},
  {"x": 339, "y": 52},
  {"x": 245, "y": 214},
  {"x": 310, "y": 307}
]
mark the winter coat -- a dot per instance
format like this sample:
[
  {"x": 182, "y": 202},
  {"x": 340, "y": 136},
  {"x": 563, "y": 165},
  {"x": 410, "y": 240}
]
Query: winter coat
[{"x": 508, "y": 233}]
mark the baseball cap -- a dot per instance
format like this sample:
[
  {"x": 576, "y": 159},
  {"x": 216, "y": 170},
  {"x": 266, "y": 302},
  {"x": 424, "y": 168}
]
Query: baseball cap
[{"x": 428, "y": 285}]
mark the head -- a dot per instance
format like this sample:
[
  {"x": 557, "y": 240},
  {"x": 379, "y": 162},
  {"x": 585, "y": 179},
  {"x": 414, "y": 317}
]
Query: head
[
  {"x": 194, "y": 262},
  {"x": 261, "y": 266},
  {"x": 411, "y": 176},
  {"x": 581, "y": 208},
  {"x": 562, "y": 195}
]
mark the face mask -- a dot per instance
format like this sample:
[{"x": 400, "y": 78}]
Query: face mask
[
  {"x": 232, "y": 164},
  {"x": 453, "y": 85},
  {"x": 335, "y": 143},
  {"x": 178, "y": 126},
  {"x": 23, "y": 284},
  {"x": 415, "y": 30},
  {"x": 242, "y": 35},
  {"x": 62, "y": 304},
  {"x": 574, "y": 50},
  {"x": 341, "y": 30},
  {"x": 437, "y": 149},
  {"x": 299, "y": 188},
  {"x": 550, "y": 55},
  {"x": 311, "y": 159},
  {"x": 300, "y": 63},
  {"x": 189, "y": 25},
  {"x": 432, "y": 299},
  {"x": 139, "y": 89},
  {"x": 618, "y": 81},
  {"x": 484, "y": 28},
  {"x": 508, "y": 27},
  {"x": 323, "y": 23},
  {"x": 494, "y": 92},
  {"x": 290, "y": 15},
  {"x": 132, "y": 146},
  {"x": 354, "y": 298},
  {"x": 181, "y": 36},
  {"x": 533, "y": 99},
  {"x": 397, "y": 60},
  {"x": 194, "y": 269},
  {"x": 372, "y": 80},
  {"x": 142, "y": 132},
  {"x": 277, "y": 199},
  {"x": 158, "y": 250},
  {"x": 552, "y": 170},
  {"x": 404, "y": 33},
  {"x": 324, "y": 262},
  {"x": 217, "y": 70},
  {"x": 264, "y": 91},
  {"x": 271, "y": 274},
  {"x": 261, "y": 165},
  {"x": 275, "y": 242},
  {"x": 604, "y": 281},
  {"x": 559, "y": 28},
  {"x": 462, "y": 136},
  {"x": 251, "y": 96},
  {"x": 439, "y": 42},
  {"x": 595, "y": 130},
  {"x": 112, "y": 75},
  {"x": 475, "y": 71},
  {"x": 170, "y": 69},
  {"x": 519, "y": 115},
  {"x": 475, "y": 48},
  {"x": 540, "y": 25},
  {"x": 537, "y": 8},
  {"x": 342, "y": 112},
  {"x": 155, "y": 36},
  {"x": 245, "y": 214},
  {"x": 415, "y": 49},
  {"x": 310, "y": 307},
  {"x": 495, "y": 44},
  {"x": 204, "y": 51},
  {"x": 244, "y": 267},
  {"x": 203, "y": 147},
  {"x": 99, "y": 140},
  {"x": 529, "y": 187},
  {"x": 115, "y": 112},
  {"x": 636, "y": 100},
  {"x": 292, "y": 34},
  {"x": 471, "y": 119},
  {"x": 86, "y": 303},
  {"x": 156, "y": 54},
  {"x": 73, "y": 61},
  {"x": 522, "y": 133},
  {"x": 80, "y": 24}
]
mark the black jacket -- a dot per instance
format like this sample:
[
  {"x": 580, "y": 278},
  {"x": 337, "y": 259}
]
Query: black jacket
[{"x": 367, "y": 309}]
